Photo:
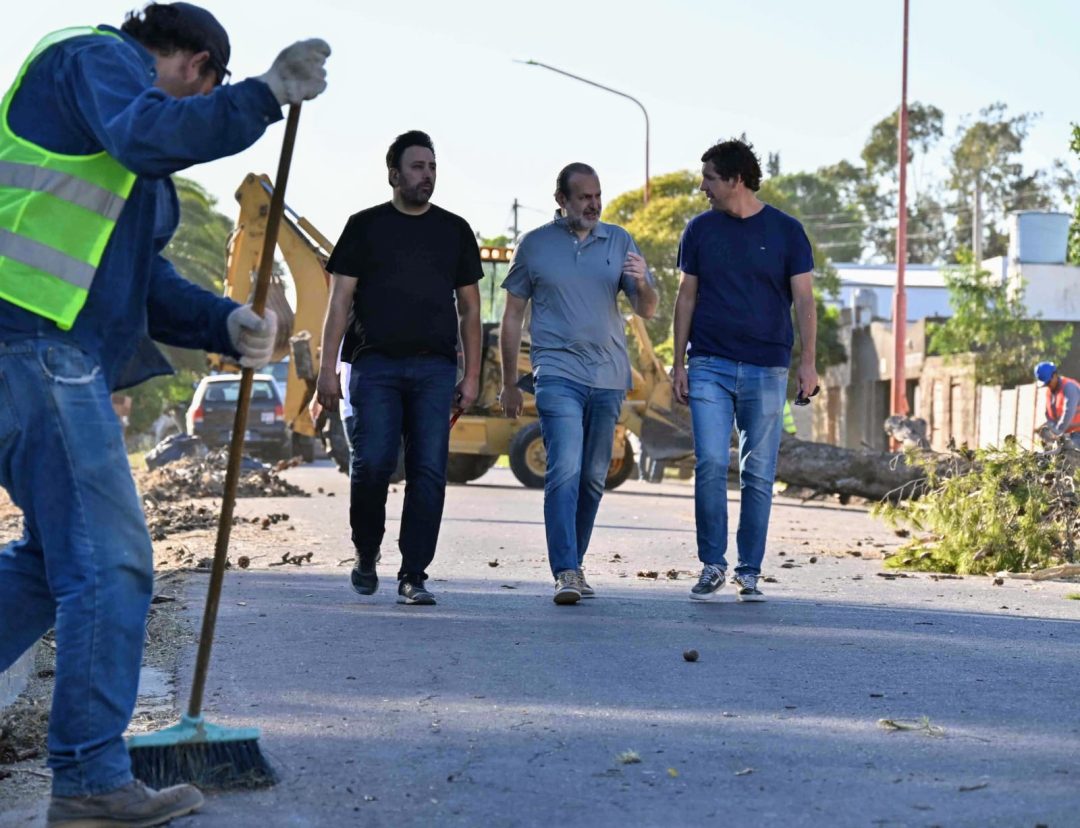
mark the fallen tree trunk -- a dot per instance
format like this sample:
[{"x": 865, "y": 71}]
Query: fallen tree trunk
[{"x": 859, "y": 473}]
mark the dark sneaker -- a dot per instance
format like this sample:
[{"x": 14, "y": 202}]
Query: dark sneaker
[
  {"x": 133, "y": 806},
  {"x": 746, "y": 588},
  {"x": 365, "y": 579},
  {"x": 709, "y": 583},
  {"x": 567, "y": 587},
  {"x": 586, "y": 590},
  {"x": 413, "y": 592}
]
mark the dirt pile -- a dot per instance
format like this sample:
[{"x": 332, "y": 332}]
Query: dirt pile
[{"x": 194, "y": 477}]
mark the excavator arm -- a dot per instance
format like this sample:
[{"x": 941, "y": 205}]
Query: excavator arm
[{"x": 305, "y": 251}]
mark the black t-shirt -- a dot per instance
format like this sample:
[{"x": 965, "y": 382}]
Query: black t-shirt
[{"x": 406, "y": 269}]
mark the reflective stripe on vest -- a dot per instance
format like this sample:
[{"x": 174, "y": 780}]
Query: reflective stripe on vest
[
  {"x": 57, "y": 213},
  {"x": 1056, "y": 405},
  {"x": 789, "y": 419}
]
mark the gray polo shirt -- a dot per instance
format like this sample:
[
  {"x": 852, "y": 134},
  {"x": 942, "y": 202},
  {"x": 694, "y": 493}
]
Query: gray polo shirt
[{"x": 576, "y": 328}]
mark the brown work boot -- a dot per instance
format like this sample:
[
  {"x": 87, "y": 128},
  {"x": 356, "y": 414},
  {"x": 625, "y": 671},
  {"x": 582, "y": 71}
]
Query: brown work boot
[{"x": 132, "y": 806}]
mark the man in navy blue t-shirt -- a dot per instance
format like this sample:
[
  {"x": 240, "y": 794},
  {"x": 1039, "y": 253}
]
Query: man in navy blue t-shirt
[{"x": 743, "y": 264}]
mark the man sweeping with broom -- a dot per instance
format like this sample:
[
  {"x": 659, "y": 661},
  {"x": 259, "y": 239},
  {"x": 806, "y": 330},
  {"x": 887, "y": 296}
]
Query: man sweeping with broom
[{"x": 92, "y": 127}]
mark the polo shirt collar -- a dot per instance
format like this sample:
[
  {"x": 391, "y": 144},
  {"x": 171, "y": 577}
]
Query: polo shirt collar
[{"x": 599, "y": 232}]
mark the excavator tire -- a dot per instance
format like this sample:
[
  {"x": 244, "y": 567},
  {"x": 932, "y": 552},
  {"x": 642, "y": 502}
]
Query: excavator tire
[
  {"x": 463, "y": 468},
  {"x": 621, "y": 468},
  {"x": 528, "y": 460}
]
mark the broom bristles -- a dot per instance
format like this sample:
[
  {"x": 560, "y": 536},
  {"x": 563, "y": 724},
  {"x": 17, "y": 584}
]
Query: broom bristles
[{"x": 220, "y": 765}]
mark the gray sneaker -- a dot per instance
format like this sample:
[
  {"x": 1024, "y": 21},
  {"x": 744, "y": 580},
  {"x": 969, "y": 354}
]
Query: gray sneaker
[
  {"x": 586, "y": 590},
  {"x": 567, "y": 587},
  {"x": 746, "y": 588},
  {"x": 132, "y": 806},
  {"x": 709, "y": 583}
]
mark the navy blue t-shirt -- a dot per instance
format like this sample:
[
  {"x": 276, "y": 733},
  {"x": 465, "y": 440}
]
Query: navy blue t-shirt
[{"x": 744, "y": 269}]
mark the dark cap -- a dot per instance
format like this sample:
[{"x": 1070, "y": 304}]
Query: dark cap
[{"x": 215, "y": 39}]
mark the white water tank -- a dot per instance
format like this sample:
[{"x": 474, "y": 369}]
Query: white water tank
[
  {"x": 864, "y": 304},
  {"x": 1038, "y": 237}
]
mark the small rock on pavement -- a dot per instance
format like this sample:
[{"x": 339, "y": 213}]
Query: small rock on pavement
[
  {"x": 243, "y": 562},
  {"x": 690, "y": 655}
]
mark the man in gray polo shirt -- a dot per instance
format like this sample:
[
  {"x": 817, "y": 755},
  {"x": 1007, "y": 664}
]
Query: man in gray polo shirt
[{"x": 573, "y": 269}]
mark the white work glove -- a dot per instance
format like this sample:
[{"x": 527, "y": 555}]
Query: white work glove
[
  {"x": 299, "y": 72},
  {"x": 252, "y": 335}
]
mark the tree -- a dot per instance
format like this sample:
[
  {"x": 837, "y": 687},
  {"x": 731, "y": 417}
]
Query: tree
[
  {"x": 878, "y": 191},
  {"x": 657, "y": 228},
  {"x": 197, "y": 250},
  {"x": 837, "y": 226},
  {"x": 986, "y": 158},
  {"x": 990, "y": 319}
]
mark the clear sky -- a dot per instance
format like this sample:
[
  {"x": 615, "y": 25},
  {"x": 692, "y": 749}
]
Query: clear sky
[{"x": 807, "y": 80}]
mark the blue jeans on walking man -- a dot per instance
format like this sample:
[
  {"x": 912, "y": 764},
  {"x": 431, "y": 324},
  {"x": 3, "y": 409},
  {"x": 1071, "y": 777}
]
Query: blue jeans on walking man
[
  {"x": 578, "y": 426},
  {"x": 84, "y": 564},
  {"x": 724, "y": 393},
  {"x": 395, "y": 397}
]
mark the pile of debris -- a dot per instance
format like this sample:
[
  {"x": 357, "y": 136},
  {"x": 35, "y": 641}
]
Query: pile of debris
[
  {"x": 985, "y": 511},
  {"x": 163, "y": 519},
  {"x": 195, "y": 477}
]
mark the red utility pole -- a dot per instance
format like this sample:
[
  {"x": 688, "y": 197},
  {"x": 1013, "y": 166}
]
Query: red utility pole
[{"x": 899, "y": 389}]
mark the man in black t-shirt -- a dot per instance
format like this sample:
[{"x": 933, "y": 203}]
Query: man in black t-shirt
[{"x": 396, "y": 271}]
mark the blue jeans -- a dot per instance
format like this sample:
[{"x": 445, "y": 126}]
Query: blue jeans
[
  {"x": 84, "y": 565},
  {"x": 578, "y": 425},
  {"x": 395, "y": 397},
  {"x": 723, "y": 392}
]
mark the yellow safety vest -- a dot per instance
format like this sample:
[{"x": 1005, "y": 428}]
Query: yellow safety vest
[
  {"x": 57, "y": 213},
  {"x": 789, "y": 418}
]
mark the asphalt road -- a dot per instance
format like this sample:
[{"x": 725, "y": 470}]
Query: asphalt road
[{"x": 499, "y": 708}]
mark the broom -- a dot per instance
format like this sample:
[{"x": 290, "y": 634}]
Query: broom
[{"x": 195, "y": 751}]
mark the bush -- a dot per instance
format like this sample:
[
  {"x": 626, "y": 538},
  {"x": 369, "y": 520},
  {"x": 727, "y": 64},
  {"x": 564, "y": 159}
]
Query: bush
[{"x": 990, "y": 510}]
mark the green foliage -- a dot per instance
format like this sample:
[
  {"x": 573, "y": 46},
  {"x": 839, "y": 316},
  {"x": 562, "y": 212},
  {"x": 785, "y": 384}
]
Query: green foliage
[
  {"x": 657, "y": 227},
  {"x": 197, "y": 250},
  {"x": 836, "y": 227},
  {"x": 881, "y": 153},
  {"x": 990, "y": 319},
  {"x": 987, "y": 153},
  {"x": 871, "y": 189},
  {"x": 1004, "y": 509}
]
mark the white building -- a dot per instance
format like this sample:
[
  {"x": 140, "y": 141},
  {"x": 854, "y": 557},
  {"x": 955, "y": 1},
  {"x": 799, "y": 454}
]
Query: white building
[{"x": 1036, "y": 258}]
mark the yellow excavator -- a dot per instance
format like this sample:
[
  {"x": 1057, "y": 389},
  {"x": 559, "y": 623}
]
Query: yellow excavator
[
  {"x": 482, "y": 434},
  {"x": 305, "y": 251}
]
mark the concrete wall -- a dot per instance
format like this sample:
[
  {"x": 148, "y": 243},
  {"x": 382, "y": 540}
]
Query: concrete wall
[{"x": 948, "y": 399}]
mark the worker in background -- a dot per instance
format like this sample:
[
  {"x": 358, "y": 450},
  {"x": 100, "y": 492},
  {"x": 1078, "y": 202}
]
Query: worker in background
[
  {"x": 1062, "y": 402},
  {"x": 572, "y": 270},
  {"x": 744, "y": 264},
  {"x": 90, "y": 131},
  {"x": 398, "y": 272},
  {"x": 789, "y": 419}
]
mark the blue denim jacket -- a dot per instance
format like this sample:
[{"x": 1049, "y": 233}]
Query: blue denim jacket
[{"x": 90, "y": 93}]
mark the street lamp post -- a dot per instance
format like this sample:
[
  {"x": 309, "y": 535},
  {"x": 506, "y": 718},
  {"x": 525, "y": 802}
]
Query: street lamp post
[
  {"x": 899, "y": 385},
  {"x": 613, "y": 91}
]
